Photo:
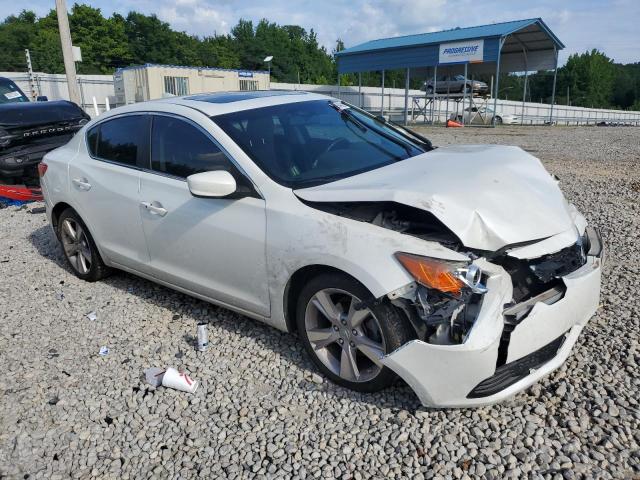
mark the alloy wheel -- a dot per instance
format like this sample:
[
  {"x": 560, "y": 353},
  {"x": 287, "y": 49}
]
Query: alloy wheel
[
  {"x": 345, "y": 336},
  {"x": 76, "y": 245}
]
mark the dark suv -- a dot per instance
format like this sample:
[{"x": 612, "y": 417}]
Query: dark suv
[{"x": 28, "y": 130}]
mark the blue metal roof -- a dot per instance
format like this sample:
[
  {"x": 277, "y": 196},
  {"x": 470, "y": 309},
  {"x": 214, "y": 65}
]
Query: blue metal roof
[{"x": 456, "y": 34}]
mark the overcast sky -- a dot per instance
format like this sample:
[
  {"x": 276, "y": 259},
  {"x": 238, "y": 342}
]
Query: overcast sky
[{"x": 611, "y": 26}]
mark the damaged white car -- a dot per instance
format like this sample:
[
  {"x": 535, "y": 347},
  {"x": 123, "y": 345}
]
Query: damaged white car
[{"x": 461, "y": 269}]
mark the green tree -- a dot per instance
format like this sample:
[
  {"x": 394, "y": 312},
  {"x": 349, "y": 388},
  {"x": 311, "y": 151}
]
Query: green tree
[{"x": 590, "y": 78}]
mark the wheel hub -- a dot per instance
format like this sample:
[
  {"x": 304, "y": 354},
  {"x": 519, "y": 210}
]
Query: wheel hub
[{"x": 341, "y": 335}]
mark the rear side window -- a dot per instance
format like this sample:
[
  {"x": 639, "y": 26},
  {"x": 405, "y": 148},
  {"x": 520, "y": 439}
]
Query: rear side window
[
  {"x": 10, "y": 93},
  {"x": 122, "y": 140},
  {"x": 180, "y": 149}
]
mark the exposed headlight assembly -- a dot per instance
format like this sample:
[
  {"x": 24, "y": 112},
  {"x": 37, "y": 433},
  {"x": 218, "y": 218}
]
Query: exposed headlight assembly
[
  {"x": 447, "y": 277},
  {"x": 448, "y": 297}
]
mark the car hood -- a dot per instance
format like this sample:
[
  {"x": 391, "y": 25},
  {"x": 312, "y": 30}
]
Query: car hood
[
  {"x": 489, "y": 196},
  {"x": 32, "y": 114}
]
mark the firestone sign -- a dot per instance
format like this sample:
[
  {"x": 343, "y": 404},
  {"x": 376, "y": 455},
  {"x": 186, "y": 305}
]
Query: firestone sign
[{"x": 462, "y": 52}]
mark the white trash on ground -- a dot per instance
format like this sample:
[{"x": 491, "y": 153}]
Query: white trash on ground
[
  {"x": 93, "y": 316},
  {"x": 172, "y": 378},
  {"x": 104, "y": 351}
]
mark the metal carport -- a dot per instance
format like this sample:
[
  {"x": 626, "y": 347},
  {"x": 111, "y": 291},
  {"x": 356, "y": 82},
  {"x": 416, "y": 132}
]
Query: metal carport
[{"x": 516, "y": 46}]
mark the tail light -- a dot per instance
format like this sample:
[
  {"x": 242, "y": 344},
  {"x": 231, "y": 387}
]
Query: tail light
[{"x": 42, "y": 169}]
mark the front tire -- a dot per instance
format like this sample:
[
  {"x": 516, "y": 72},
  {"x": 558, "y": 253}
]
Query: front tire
[
  {"x": 79, "y": 248},
  {"x": 498, "y": 120},
  {"x": 346, "y": 343}
]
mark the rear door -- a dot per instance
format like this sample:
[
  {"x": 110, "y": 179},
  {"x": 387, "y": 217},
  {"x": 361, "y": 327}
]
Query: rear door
[
  {"x": 214, "y": 247},
  {"x": 104, "y": 186}
]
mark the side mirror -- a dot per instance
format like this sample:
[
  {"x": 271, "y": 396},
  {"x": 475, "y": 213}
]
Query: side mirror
[{"x": 214, "y": 184}]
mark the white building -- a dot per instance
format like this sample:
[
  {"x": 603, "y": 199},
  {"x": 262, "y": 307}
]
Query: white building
[{"x": 150, "y": 81}]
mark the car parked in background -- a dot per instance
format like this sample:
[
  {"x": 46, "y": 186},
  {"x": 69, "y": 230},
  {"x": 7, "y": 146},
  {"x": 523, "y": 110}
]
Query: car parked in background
[
  {"x": 484, "y": 116},
  {"x": 28, "y": 130},
  {"x": 462, "y": 269},
  {"x": 10, "y": 92},
  {"x": 456, "y": 84}
]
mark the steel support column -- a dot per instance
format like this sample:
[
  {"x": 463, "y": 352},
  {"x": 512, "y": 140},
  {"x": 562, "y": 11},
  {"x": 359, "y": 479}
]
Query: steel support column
[
  {"x": 433, "y": 94},
  {"x": 495, "y": 98},
  {"x": 524, "y": 88},
  {"x": 464, "y": 92},
  {"x": 553, "y": 90},
  {"x": 360, "y": 89},
  {"x": 406, "y": 97},
  {"x": 382, "y": 96}
]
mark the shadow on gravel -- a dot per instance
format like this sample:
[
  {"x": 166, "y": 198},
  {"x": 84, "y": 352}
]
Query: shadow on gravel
[
  {"x": 287, "y": 345},
  {"x": 46, "y": 243}
]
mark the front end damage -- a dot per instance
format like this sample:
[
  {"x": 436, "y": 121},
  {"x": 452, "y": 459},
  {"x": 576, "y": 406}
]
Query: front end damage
[{"x": 517, "y": 323}]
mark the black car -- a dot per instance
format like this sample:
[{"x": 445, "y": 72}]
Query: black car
[{"x": 28, "y": 130}]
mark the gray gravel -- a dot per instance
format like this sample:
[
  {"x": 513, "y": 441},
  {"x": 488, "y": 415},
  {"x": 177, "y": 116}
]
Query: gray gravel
[{"x": 263, "y": 411}]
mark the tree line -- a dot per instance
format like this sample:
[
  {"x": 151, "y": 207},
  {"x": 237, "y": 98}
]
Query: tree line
[
  {"x": 590, "y": 79},
  {"x": 135, "y": 39}
]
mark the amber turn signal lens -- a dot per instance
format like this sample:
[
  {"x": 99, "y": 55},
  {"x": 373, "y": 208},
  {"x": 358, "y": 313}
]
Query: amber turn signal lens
[{"x": 431, "y": 273}]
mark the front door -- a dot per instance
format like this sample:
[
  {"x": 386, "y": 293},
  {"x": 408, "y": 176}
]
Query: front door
[
  {"x": 104, "y": 186},
  {"x": 214, "y": 247}
]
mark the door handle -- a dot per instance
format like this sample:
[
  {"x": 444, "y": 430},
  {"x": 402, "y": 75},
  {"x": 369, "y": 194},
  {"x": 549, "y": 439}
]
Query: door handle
[
  {"x": 81, "y": 183},
  {"x": 154, "y": 208}
]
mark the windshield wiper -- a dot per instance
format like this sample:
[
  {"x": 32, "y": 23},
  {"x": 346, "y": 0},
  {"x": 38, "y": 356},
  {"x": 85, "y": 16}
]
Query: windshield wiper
[
  {"x": 405, "y": 132},
  {"x": 312, "y": 182},
  {"x": 349, "y": 115}
]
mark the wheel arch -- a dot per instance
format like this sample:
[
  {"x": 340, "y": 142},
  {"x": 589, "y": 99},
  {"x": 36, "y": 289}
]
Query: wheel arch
[
  {"x": 57, "y": 210},
  {"x": 294, "y": 287}
]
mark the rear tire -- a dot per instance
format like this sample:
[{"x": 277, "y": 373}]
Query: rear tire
[
  {"x": 344, "y": 343},
  {"x": 498, "y": 120},
  {"x": 79, "y": 248},
  {"x": 429, "y": 90}
]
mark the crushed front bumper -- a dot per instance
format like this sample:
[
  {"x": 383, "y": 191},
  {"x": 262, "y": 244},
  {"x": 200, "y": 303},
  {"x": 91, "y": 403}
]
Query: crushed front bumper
[{"x": 469, "y": 374}]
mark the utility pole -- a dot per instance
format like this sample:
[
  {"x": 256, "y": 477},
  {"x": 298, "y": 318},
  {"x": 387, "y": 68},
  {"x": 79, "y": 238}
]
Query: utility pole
[
  {"x": 67, "y": 53},
  {"x": 32, "y": 83}
]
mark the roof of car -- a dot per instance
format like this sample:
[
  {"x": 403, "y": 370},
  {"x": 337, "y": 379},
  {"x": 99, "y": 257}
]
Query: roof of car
[{"x": 226, "y": 102}]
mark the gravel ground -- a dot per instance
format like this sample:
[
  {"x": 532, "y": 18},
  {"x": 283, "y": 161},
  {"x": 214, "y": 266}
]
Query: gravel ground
[{"x": 262, "y": 411}]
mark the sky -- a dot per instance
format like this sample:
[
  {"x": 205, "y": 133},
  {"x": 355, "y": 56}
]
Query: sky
[{"x": 611, "y": 26}]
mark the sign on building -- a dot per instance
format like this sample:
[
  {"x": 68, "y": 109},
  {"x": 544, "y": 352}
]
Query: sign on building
[{"x": 471, "y": 51}]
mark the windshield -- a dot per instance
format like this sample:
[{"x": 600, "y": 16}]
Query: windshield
[
  {"x": 10, "y": 93},
  {"x": 309, "y": 143}
]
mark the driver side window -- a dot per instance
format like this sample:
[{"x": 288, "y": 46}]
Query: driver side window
[{"x": 180, "y": 149}]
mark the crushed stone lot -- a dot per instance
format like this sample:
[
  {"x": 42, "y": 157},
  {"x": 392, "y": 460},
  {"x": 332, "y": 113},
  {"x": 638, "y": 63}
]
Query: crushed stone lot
[{"x": 262, "y": 411}]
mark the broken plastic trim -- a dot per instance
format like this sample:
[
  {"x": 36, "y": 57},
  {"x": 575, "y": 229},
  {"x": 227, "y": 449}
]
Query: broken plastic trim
[
  {"x": 438, "y": 317},
  {"x": 514, "y": 314},
  {"x": 507, "y": 375}
]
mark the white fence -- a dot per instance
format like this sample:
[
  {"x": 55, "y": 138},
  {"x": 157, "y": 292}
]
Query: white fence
[
  {"x": 370, "y": 98},
  {"x": 54, "y": 86}
]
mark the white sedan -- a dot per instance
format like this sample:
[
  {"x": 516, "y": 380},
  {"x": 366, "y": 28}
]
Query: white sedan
[
  {"x": 484, "y": 116},
  {"x": 461, "y": 269}
]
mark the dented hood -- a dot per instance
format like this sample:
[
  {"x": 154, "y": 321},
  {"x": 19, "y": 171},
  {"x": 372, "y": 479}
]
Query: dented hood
[{"x": 489, "y": 196}]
